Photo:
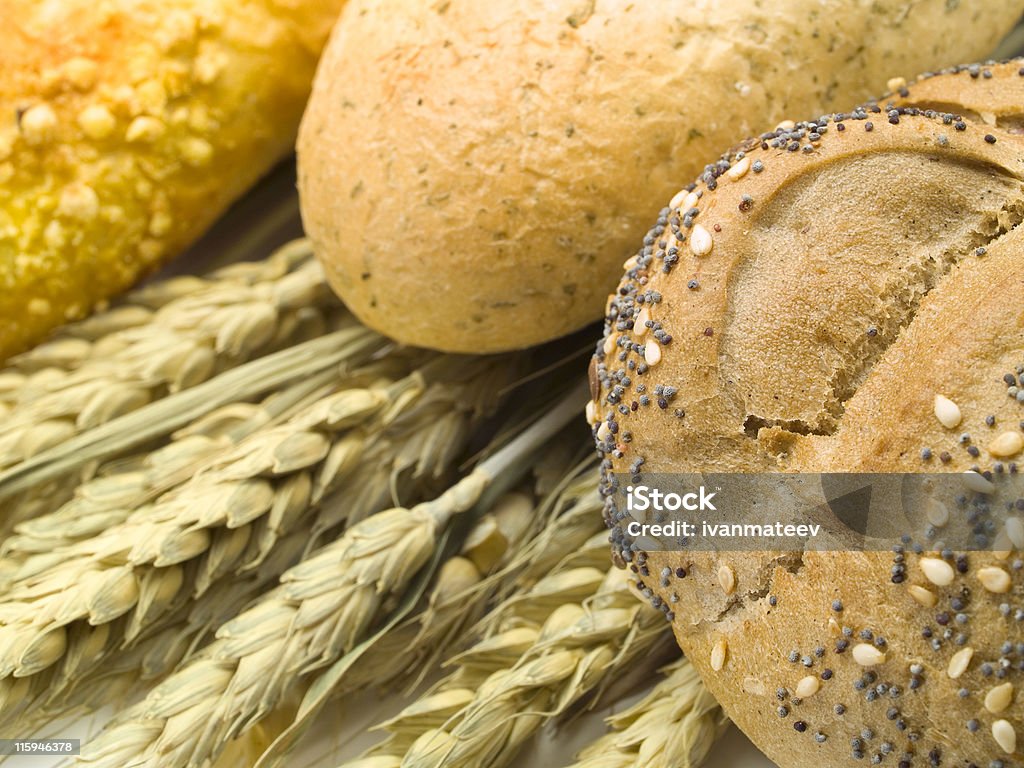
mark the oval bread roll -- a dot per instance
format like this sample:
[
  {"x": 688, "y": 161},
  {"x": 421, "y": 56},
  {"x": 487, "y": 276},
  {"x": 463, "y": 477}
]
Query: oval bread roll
[
  {"x": 474, "y": 176},
  {"x": 126, "y": 129},
  {"x": 846, "y": 297}
]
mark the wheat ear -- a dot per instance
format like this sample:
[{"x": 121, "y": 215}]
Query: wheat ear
[
  {"x": 673, "y": 726},
  {"x": 512, "y": 682},
  {"x": 436, "y": 422},
  {"x": 165, "y": 338},
  {"x": 229, "y": 517},
  {"x": 323, "y": 607}
]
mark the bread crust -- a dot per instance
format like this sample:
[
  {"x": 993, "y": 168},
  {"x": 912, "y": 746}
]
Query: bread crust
[
  {"x": 473, "y": 177},
  {"x": 127, "y": 128},
  {"x": 848, "y": 282}
]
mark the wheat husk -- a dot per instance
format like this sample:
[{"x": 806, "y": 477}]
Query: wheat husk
[
  {"x": 322, "y": 609},
  {"x": 227, "y": 519},
  {"x": 159, "y": 340},
  {"x": 672, "y": 726},
  {"x": 545, "y": 656}
]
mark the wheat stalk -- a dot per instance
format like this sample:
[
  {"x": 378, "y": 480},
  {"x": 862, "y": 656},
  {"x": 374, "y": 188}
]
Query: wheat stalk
[
  {"x": 673, "y": 726},
  {"x": 323, "y": 607},
  {"x": 108, "y": 498},
  {"x": 499, "y": 553},
  {"x": 83, "y": 687},
  {"x": 164, "y": 338},
  {"x": 509, "y": 684},
  {"x": 227, "y": 517}
]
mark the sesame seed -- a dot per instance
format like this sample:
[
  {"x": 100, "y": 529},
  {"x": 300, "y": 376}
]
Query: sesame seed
[
  {"x": 994, "y": 579},
  {"x": 999, "y": 698},
  {"x": 990, "y": 138},
  {"x": 1006, "y": 445},
  {"x": 938, "y": 572},
  {"x": 652, "y": 353},
  {"x": 701, "y": 242},
  {"x": 640, "y": 325},
  {"x": 959, "y": 662},
  {"x": 677, "y": 199},
  {"x": 1005, "y": 736},
  {"x": 867, "y": 655},
  {"x": 727, "y": 579},
  {"x": 947, "y": 412},
  {"x": 739, "y": 170},
  {"x": 923, "y": 596},
  {"x": 807, "y": 687},
  {"x": 977, "y": 482},
  {"x": 718, "y": 654}
]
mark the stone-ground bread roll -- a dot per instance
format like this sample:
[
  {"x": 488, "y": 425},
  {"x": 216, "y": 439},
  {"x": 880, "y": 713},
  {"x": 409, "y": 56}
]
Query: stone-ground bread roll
[
  {"x": 126, "y": 128},
  {"x": 473, "y": 174},
  {"x": 841, "y": 295}
]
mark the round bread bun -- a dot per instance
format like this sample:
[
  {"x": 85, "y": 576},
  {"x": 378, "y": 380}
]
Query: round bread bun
[
  {"x": 473, "y": 176},
  {"x": 850, "y": 270}
]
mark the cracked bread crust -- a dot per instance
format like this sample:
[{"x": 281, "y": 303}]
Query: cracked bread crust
[{"x": 799, "y": 308}]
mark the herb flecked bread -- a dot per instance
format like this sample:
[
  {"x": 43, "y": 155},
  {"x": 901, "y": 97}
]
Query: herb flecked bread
[
  {"x": 473, "y": 176},
  {"x": 840, "y": 295},
  {"x": 126, "y": 129}
]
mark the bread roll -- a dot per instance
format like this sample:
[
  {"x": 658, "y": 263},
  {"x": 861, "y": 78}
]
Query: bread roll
[
  {"x": 127, "y": 128},
  {"x": 835, "y": 278},
  {"x": 473, "y": 176}
]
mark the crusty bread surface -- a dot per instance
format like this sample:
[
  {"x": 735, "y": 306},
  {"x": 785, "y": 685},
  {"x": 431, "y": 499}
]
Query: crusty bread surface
[
  {"x": 474, "y": 175},
  {"x": 127, "y": 128},
  {"x": 846, "y": 273}
]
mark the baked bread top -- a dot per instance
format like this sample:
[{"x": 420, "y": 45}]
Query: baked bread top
[
  {"x": 473, "y": 175},
  {"x": 126, "y": 128},
  {"x": 799, "y": 309}
]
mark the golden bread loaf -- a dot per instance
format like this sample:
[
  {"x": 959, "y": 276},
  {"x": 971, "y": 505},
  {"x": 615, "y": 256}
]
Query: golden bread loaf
[
  {"x": 127, "y": 127},
  {"x": 815, "y": 302},
  {"x": 473, "y": 176}
]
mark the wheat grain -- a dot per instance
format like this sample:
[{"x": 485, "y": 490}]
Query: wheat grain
[
  {"x": 579, "y": 646},
  {"x": 673, "y": 726},
  {"x": 456, "y": 599},
  {"x": 120, "y": 360},
  {"x": 228, "y": 518},
  {"x": 323, "y": 607}
]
